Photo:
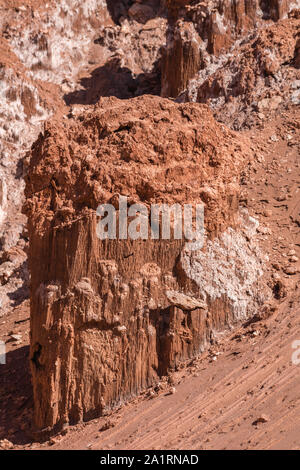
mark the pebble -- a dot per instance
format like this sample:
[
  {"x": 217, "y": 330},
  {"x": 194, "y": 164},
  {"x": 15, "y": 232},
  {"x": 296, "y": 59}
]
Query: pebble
[
  {"x": 267, "y": 213},
  {"x": 16, "y": 337},
  {"x": 264, "y": 230},
  {"x": 6, "y": 445},
  {"x": 261, "y": 419},
  {"x": 281, "y": 198},
  {"x": 291, "y": 270}
]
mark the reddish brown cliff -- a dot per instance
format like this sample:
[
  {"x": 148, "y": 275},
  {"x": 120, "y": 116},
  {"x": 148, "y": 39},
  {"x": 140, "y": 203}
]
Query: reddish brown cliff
[
  {"x": 257, "y": 78},
  {"x": 201, "y": 31},
  {"x": 55, "y": 54},
  {"x": 108, "y": 318}
]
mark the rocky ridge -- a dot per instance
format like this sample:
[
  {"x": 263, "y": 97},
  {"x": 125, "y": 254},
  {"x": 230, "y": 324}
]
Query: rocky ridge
[
  {"x": 202, "y": 34},
  {"x": 109, "y": 319}
]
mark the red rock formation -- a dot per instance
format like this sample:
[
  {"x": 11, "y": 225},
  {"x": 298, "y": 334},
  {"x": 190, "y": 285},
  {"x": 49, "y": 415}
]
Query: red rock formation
[
  {"x": 184, "y": 59},
  {"x": 297, "y": 54},
  {"x": 55, "y": 54},
  {"x": 109, "y": 317},
  {"x": 213, "y": 28},
  {"x": 277, "y": 9},
  {"x": 257, "y": 78}
]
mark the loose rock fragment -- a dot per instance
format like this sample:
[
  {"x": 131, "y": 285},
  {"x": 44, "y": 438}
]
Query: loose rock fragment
[{"x": 261, "y": 420}]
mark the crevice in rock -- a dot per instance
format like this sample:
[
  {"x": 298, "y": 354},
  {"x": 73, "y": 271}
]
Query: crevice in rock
[{"x": 37, "y": 350}]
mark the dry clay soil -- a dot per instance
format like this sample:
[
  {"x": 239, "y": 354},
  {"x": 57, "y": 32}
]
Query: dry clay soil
[{"x": 241, "y": 394}]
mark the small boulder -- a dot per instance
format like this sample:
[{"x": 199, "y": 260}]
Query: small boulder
[
  {"x": 184, "y": 302},
  {"x": 261, "y": 420}
]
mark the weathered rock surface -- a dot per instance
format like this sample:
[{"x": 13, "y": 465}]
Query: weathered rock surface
[
  {"x": 201, "y": 33},
  {"x": 108, "y": 318},
  {"x": 257, "y": 77},
  {"x": 59, "y": 53},
  {"x": 23, "y": 108},
  {"x": 73, "y": 52}
]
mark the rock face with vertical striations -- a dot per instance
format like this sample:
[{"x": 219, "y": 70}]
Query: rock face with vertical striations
[
  {"x": 109, "y": 317},
  {"x": 258, "y": 77},
  {"x": 54, "y": 55},
  {"x": 81, "y": 81},
  {"x": 201, "y": 32}
]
